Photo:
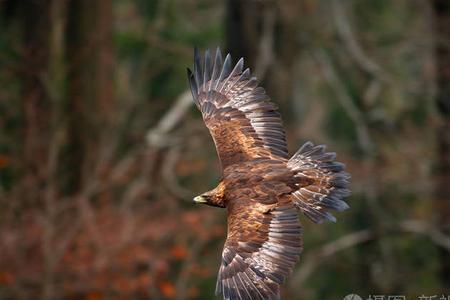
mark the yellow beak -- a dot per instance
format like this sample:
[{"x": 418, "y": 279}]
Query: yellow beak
[{"x": 199, "y": 199}]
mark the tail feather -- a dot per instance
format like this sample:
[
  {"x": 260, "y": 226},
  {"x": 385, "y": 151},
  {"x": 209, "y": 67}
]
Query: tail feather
[{"x": 322, "y": 182}]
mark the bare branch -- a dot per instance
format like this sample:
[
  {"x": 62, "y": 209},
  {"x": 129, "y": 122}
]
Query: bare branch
[
  {"x": 344, "y": 30},
  {"x": 316, "y": 256},
  {"x": 266, "y": 52},
  {"x": 158, "y": 136},
  {"x": 169, "y": 175},
  {"x": 362, "y": 130},
  {"x": 420, "y": 227}
]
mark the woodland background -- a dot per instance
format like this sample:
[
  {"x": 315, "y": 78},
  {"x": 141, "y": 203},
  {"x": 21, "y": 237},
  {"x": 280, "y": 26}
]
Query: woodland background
[{"x": 101, "y": 149}]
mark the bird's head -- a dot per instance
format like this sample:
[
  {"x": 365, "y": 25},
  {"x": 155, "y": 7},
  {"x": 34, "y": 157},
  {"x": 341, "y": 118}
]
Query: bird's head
[{"x": 210, "y": 198}]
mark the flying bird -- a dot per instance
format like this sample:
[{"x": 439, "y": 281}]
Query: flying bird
[{"x": 262, "y": 188}]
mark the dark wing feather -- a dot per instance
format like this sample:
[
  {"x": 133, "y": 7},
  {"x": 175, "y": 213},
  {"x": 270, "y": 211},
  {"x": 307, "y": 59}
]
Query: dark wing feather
[
  {"x": 262, "y": 247},
  {"x": 243, "y": 122}
]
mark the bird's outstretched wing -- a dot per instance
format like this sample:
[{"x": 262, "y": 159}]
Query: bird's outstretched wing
[
  {"x": 261, "y": 250},
  {"x": 243, "y": 122}
]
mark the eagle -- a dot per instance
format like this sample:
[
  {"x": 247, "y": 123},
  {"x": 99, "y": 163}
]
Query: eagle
[{"x": 262, "y": 188}]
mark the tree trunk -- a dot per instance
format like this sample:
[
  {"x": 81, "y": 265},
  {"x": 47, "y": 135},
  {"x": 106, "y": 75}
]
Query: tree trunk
[
  {"x": 243, "y": 29},
  {"x": 36, "y": 103},
  {"x": 266, "y": 34},
  {"x": 90, "y": 74},
  {"x": 442, "y": 192}
]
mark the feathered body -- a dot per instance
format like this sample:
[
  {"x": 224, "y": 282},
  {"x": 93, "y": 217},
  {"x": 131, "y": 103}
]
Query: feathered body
[{"x": 261, "y": 187}]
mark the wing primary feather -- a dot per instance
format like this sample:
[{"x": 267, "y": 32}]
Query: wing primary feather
[
  {"x": 219, "y": 281},
  {"x": 236, "y": 288},
  {"x": 245, "y": 75},
  {"x": 207, "y": 71},
  {"x": 244, "y": 287},
  {"x": 255, "y": 288},
  {"x": 235, "y": 72},
  {"x": 225, "y": 289},
  {"x": 193, "y": 86},
  {"x": 197, "y": 68},
  {"x": 261, "y": 279},
  {"x": 226, "y": 68},
  {"x": 250, "y": 85},
  {"x": 216, "y": 69}
]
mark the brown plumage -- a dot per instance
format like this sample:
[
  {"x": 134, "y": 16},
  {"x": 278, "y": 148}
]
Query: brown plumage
[{"x": 261, "y": 187}]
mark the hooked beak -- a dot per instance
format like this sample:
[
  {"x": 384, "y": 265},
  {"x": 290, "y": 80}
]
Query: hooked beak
[{"x": 199, "y": 199}]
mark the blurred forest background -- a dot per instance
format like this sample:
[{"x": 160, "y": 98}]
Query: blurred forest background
[{"x": 101, "y": 149}]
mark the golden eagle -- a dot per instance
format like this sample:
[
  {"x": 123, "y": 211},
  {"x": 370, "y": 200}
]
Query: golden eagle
[{"x": 261, "y": 187}]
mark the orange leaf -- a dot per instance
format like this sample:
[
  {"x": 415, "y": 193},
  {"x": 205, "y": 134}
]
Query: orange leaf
[
  {"x": 179, "y": 252},
  {"x": 6, "y": 277},
  {"x": 4, "y": 161},
  {"x": 167, "y": 289},
  {"x": 93, "y": 296}
]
